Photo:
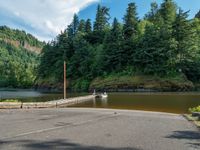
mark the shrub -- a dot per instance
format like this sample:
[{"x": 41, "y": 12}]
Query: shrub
[{"x": 194, "y": 109}]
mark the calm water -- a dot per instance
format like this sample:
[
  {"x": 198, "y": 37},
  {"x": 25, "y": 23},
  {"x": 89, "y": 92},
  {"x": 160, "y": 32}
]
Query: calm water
[
  {"x": 34, "y": 96},
  {"x": 162, "y": 102}
]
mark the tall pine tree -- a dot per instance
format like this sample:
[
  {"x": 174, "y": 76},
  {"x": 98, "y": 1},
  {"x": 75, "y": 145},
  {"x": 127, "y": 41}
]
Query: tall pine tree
[
  {"x": 102, "y": 17},
  {"x": 130, "y": 21},
  {"x": 88, "y": 26},
  {"x": 100, "y": 25},
  {"x": 130, "y": 35},
  {"x": 81, "y": 27},
  {"x": 113, "y": 48},
  {"x": 183, "y": 35}
]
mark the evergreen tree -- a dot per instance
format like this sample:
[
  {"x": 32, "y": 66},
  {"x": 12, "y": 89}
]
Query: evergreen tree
[
  {"x": 113, "y": 60},
  {"x": 98, "y": 18},
  {"x": 153, "y": 14},
  {"x": 167, "y": 18},
  {"x": 88, "y": 26},
  {"x": 168, "y": 12},
  {"x": 79, "y": 64},
  {"x": 130, "y": 21},
  {"x": 183, "y": 35},
  {"x": 130, "y": 35},
  {"x": 198, "y": 15},
  {"x": 102, "y": 17},
  {"x": 100, "y": 25},
  {"x": 81, "y": 27},
  {"x": 73, "y": 27},
  {"x": 47, "y": 60},
  {"x": 71, "y": 32},
  {"x": 190, "y": 62},
  {"x": 153, "y": 57}
]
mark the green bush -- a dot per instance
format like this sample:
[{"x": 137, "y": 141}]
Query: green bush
[{"x": 194, "y": 109}]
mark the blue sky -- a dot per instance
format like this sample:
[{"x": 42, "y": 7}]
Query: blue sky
[
  {"x": 46, "y": 18},
  {"x": 118, "y": 7}
]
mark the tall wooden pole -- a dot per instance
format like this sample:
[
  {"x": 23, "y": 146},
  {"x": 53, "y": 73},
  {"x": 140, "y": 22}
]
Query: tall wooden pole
[{"x": 65, "y": 80}]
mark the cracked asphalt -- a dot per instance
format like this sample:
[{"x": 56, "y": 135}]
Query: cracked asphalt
[{"x": 95, "y": 129}]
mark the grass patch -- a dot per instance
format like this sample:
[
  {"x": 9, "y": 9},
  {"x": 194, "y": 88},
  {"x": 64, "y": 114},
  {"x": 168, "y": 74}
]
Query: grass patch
[{"x": 10, "y": 100}]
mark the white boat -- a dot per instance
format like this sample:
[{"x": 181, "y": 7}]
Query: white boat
[{"x": 104, "y": 95}]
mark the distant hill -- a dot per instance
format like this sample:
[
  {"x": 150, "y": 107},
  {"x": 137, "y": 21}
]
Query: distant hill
[
  {"x": 19, "y": 58},
  {"x": 20, "y": 38}
]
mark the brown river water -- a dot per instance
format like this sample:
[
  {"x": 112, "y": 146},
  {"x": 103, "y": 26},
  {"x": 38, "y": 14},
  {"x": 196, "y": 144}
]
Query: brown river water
[{"x": 161, "y": 102}]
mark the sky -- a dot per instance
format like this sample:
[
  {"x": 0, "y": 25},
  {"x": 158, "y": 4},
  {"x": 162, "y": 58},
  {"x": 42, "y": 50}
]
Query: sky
[{"x": 45, "y": 19}]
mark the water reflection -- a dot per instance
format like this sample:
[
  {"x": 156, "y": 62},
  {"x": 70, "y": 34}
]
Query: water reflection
[
  {"x": 94, "y": 102},
  {"x": 104, "y": 102}
]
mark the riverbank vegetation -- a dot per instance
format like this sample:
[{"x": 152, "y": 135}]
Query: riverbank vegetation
[{"x": 164, "y": 45}]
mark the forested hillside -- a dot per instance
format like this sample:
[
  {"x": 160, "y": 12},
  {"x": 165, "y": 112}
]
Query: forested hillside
[
  {"x": 160, "y": 51},
  {"x": 19, "y": 58},
  {"x": 20, "y": 38}
]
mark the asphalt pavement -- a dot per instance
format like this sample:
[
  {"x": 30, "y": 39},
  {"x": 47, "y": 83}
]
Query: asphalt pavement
[{"x": 95, "y": 129}]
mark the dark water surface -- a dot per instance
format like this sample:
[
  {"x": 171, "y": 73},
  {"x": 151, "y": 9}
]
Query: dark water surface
[{"x": 162, "y": 102}]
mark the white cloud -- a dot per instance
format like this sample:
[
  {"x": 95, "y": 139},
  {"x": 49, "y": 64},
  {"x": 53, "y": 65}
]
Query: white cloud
[
  {"x": 46, "y": 17},
  {"x": 17, "y": 13}
]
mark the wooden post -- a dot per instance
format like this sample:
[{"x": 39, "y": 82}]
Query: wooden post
[{"x": 65, "y": 80}]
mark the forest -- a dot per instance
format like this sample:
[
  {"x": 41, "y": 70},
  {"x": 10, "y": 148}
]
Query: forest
[
  {"x": 161, "y": 48},
  {"x": 18, "y": 64}
]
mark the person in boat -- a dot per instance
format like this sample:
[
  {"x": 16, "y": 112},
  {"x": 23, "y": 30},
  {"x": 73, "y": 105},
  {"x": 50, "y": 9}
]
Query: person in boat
[
  {"x": 104, "y": 95},
  {"x": 94, "y": 92}
]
